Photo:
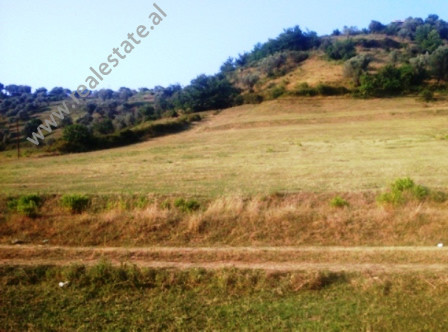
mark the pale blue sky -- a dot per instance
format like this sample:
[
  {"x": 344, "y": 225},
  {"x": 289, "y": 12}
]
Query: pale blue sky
[{"x": 53, "y": 43}]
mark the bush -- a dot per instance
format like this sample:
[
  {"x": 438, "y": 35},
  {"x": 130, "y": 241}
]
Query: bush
[
  {"x": 328, "y": 90},
  {"x": 355, "y": 67},
  {"x": 339, "y": 202},
  {"x": 439, "y": 196},
  {"x": 252, "y": 98},
  {"x": 277, "y": 92},
  {"x": 402, "y": 184},
  {"x": 186, "y": 205},
  {"x": 341, "y": 50},
  {"x": 389, "y": 81},
  {"x": 76, "y": 203},
  {"x": 427, "y": 95},
  {"x": 403, "y": 190},
  {"x": 298, "y": 56},
  {"x": 77, "y": 138},
  {"x": 28, "y": 205},
  {"x": 305, "y": 90}
]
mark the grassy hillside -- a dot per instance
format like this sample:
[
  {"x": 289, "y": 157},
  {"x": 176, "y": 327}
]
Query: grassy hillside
[{"x": 288, "y": 145}]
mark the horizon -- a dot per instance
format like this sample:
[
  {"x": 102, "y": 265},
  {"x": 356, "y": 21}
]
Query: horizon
[{"x": 65, "y": 59}]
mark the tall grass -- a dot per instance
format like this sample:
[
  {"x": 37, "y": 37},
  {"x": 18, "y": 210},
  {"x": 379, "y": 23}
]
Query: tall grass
[{"x": 292, "y": 219}]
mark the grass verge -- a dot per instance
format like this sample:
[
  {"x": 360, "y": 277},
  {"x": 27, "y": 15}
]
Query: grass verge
[{"x": 127, "y": 298}]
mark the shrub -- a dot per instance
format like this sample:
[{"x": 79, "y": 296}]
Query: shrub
[
  {"x": 439, "y": 196},
  {"x": 271, "y": 65},
  {"x": 355, "y": 67},
  {"x": 339, "y": 202},
  {"x": 341, "y": 50},
  {"x": 252, "y": 98},
  {"x": 29, "y": 205},
  {"x": 186, "y": 205},
  {"x": 277, "y": 92},
  {"x": 389, "y": 81},
  {"x": 77, "y": 138},
  {"x": 305, "y": 90},
  {"x": 298, "y": 56},
  {"x": 427, "y": 95},
  {"x": 166, "y": 205},
  {"x": 76, "y": 203},
  {"x": 402, "y": 184},
  {"x": 328, "y": 90},
  {"x": 402, "y": 190}
]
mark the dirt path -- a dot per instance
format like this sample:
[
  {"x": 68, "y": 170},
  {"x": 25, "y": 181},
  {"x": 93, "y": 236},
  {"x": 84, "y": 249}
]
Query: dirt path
[{"x": 373, "y": 259}]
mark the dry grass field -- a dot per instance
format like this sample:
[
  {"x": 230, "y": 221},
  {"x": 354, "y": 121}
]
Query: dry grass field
[
  {"x": 288, "y": 145},
  {"x": 260, "y": 247}
]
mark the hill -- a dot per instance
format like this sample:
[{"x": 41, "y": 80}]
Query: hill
[
  {"x": 298, "y": 144},
  {"x": 301, "y": 187},
  {"x": 402, "y": 58}
]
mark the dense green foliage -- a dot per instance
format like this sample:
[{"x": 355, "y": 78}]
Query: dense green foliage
[
  {"x": 341, "y": 50},
  {"x": 77, "y": 138},
  {"x": 389, "y": 81}
]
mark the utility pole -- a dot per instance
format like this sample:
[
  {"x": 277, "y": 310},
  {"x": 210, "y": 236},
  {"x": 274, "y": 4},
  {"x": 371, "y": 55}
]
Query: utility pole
[{"x": 18, "y": 138}]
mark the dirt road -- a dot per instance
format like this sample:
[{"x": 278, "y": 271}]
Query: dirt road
[{"x": 374, "y": 259}]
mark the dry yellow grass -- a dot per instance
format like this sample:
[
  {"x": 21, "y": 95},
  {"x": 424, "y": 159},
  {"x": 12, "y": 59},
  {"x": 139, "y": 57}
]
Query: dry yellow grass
[
  {"x": 290, "y": 145},
  {"x": 275, "y": 220},
  {"x": 317, "y": 70}
]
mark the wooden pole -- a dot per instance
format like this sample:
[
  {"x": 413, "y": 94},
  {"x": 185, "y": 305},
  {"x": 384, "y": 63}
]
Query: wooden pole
[{"x": 18, "y": 138}]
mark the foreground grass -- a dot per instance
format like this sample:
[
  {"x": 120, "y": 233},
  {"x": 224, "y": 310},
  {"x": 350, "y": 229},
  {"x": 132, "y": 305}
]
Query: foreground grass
[
  {"x": 129, "y": 299},
  {"x": 314, "y": 145},
  {"x": 261, "y": 220}
]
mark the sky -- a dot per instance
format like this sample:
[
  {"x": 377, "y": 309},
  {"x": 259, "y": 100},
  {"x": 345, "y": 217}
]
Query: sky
[{"x": 50, "y": 43}]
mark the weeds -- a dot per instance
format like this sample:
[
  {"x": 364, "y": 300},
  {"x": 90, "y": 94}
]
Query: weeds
[
  {"x": 76, "y": 203},
  {"x": 186, "y": 205},
  {"x": 27, "y": 205},
  {"x": 339, "y": 202},
  {"x": 402, "y": 191}
]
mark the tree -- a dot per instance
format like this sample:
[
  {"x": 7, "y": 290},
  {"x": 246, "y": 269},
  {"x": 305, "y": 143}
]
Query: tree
[
  {"x": 439, "y": 63},
  {"x": 341, "y": 50},
  {"x": 427, "y": 38},
  {"x": 31, "y": 127},
  {"x": 104, "y": 126},
  {"x": 420, "y": 65},
  {"x": 148, "y": 112},
  {"x": 432, "y": 19},
  {"x": 209, "y": 92},
  {"x": 105, "y": 94},
  {"x": 376, "y": 27},
  {"x": 125, "y": 93},
  {"x": 250, "y": 80},
  {"x": 168, "y": 98},
  {"x": 271, "y": 64},
  {"x": 228, "y": 66},
  {"x": 336, "y": 32},
  {"x": 355, "y": 67},
  {"x": 91, "y": 107},
  {"x": 41, "y": 92},
  {"x": 350, "y": 31},
  {"x": 77, "y": 138},
  {"x": 23, "y": 115}
]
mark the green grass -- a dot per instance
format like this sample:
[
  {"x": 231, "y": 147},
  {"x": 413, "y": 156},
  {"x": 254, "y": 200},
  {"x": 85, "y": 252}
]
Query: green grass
[
  {"x": 345, "y": 145},
  {"x": 129, "y": 299}
]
